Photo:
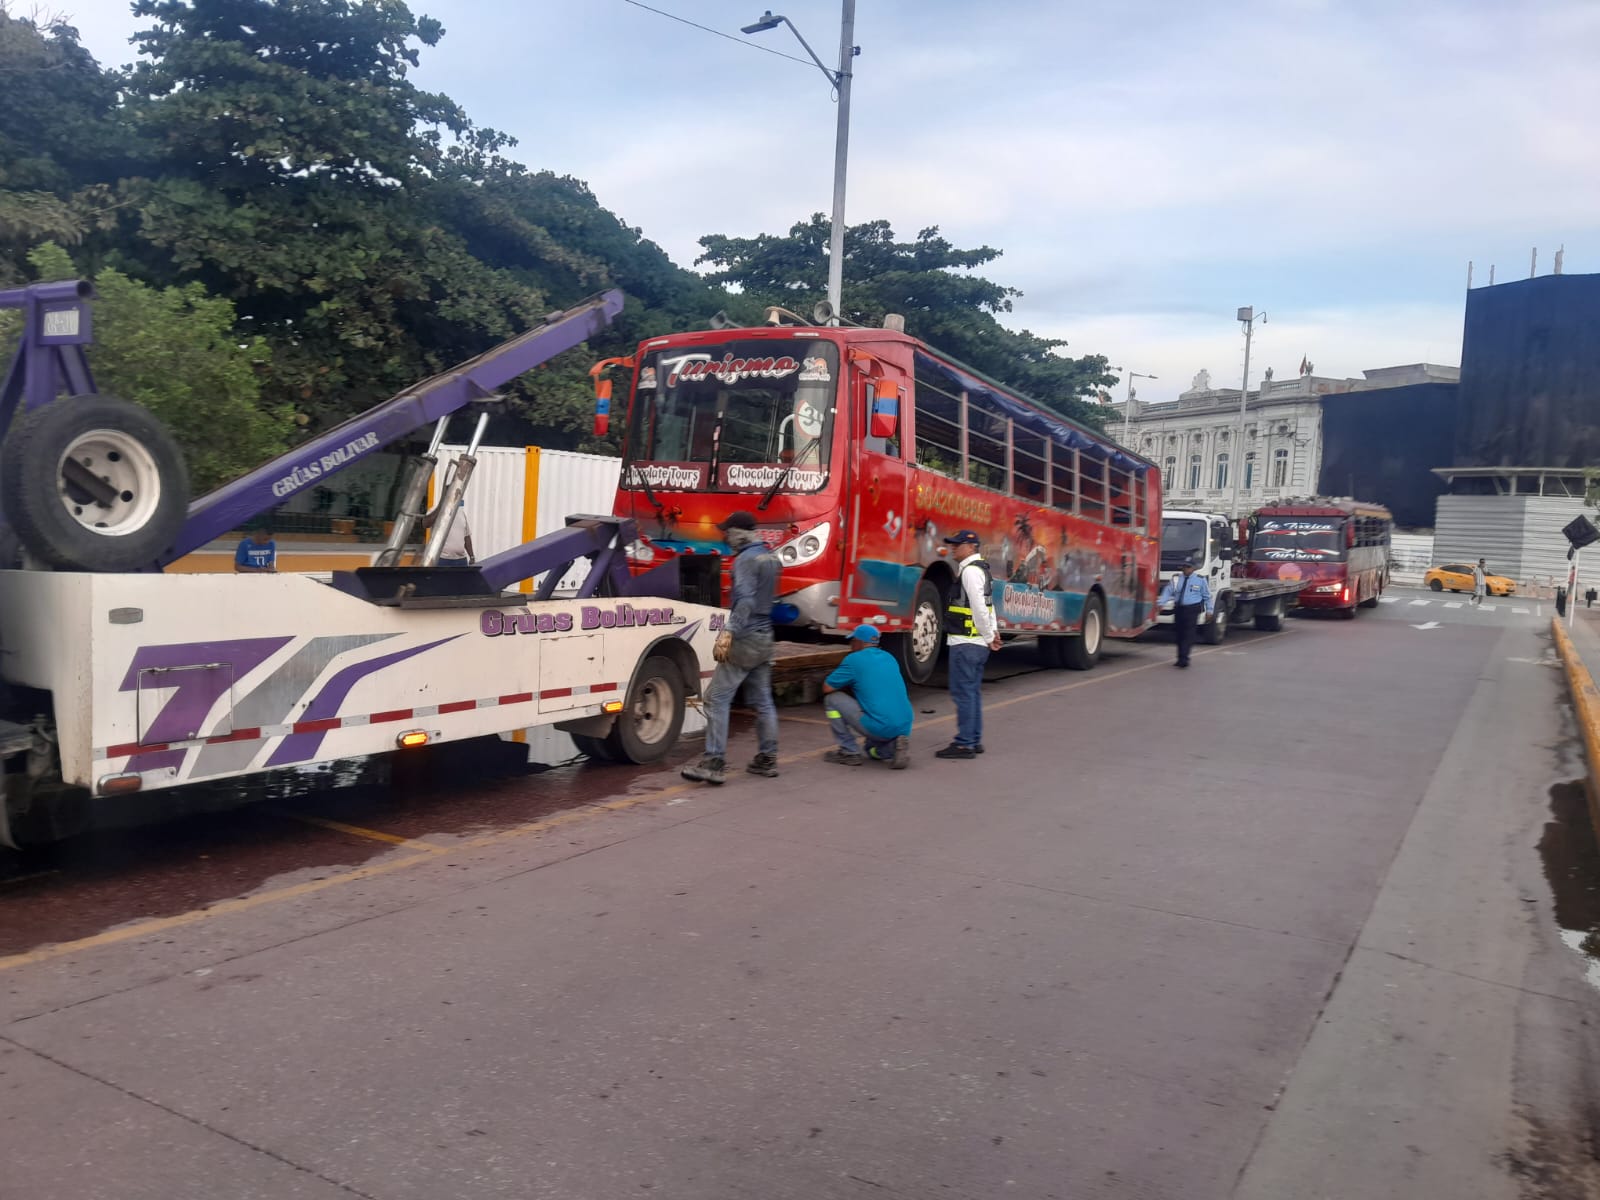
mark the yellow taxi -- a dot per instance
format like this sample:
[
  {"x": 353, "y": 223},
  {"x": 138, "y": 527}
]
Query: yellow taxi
[{"x": 1457, "y": 577}]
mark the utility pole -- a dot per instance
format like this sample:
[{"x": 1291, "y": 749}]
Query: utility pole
[
  {"x": 840, "y": 79},
  {"x": 1248, "y": 318}
]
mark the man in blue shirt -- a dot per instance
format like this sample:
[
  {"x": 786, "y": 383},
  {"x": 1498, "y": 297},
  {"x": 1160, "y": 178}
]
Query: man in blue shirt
[
  {"x": 256, "y": 555},
  {"x": 1188, "y": 594},
  {"x": 876, "y": 709},
  {"x": 744, "y": 655}
]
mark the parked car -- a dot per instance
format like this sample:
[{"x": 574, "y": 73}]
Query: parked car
[{"x": 1457, "y": 577}]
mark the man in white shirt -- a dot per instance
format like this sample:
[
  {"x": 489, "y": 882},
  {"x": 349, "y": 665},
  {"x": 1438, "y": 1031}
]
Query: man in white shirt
[
  {"x": 971, "y": 633},
  {"x": 457, "y": 549},
  {"x": 1479, "y": 583}
]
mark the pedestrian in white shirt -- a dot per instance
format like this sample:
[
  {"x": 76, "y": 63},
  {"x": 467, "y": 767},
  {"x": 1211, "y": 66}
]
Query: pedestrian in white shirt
[
  {"x": 1480, "y": 583},
  {"x": 971, "y": 633},
  {"x": 457, "y": 548}
]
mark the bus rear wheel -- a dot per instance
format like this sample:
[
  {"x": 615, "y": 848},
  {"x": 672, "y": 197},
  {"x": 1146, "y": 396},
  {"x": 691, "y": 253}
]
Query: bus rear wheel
[
  {"x": 917, "y": 651},
  {"x": 1082, "y": 652}
]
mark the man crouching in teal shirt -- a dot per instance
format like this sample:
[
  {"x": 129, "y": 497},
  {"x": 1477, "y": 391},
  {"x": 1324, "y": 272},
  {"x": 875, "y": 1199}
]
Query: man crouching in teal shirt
[{"x": 875, "y": 709}]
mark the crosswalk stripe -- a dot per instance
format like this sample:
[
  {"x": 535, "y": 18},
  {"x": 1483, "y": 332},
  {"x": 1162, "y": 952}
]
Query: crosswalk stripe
[
  {"x": 1453, "y": 604},
  {"x": 1488, "y": 607},
  {"x": 1388, "y": 600},
  {"x": 1420, "y": 603},
  {"x": 1523, "y": 611}
]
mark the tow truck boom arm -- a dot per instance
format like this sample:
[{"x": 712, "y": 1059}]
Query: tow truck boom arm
[{"x": 417, "y": 407}]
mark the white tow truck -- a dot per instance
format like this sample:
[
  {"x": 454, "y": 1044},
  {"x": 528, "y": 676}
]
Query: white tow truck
[
  {"x": 1207, "y": 540},
  {"x": 116, "y": 678}
]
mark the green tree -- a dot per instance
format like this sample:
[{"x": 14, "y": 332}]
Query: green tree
[
  {"x": 177, "y": 351},
  {"x": 61, "y": 140},
  {"x": 930, "y": 282},
  {"x": 296, "y": 175}
]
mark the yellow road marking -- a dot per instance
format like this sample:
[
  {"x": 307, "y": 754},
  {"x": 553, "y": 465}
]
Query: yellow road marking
[
  {"x": 360, "y": 831},
  {"x": 157, "y": 925}
]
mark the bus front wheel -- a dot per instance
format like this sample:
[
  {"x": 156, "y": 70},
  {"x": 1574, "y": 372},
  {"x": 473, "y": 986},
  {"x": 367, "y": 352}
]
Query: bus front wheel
[{"x": 917, "y": 650}]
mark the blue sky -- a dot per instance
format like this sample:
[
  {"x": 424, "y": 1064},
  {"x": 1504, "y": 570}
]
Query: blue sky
[{"x": 1147, "y": 166}]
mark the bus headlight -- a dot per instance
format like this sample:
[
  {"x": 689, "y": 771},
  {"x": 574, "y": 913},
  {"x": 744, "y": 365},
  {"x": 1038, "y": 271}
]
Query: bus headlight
[
  {"x": 639, "y": 551},
  {"x": 806, "y": 548}
]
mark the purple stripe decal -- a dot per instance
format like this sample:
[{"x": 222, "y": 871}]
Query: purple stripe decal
[
  {"x": 194, "y": 692},
  {"x": 298, "y": 747}
]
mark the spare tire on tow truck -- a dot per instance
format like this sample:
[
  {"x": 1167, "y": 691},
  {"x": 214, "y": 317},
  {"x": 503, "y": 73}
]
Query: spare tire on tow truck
[
  {"x": 93, "y": 483},
  {"x": 87, "y": 483}
]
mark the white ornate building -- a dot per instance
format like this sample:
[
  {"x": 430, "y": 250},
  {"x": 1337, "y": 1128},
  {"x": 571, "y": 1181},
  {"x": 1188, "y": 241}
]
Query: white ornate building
[{"x": 1195, "y": 440}]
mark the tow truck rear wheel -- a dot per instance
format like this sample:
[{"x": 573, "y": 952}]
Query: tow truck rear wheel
[
  {"x": 647, "y": 728},
  {"x": 93, "y": 483},
  {"x": 1269, "y": 622}
]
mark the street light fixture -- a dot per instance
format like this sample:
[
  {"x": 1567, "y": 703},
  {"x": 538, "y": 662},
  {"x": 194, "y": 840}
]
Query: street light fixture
[
  {"x": 1248, "y": 318},
  {"x": 1127, "y": 407},
  {"x": 840, "y": 79}
]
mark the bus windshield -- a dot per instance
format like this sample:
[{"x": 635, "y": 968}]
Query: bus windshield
[
  {"x": 737, "y": 416},
  {"x": 1298, "y": 539},
  {"x": 1183, "y": 540}
]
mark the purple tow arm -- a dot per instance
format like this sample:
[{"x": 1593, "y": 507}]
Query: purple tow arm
[{"x": 417, "y": 407}]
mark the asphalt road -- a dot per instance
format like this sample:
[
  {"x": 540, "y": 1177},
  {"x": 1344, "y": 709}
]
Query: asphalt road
[{"x": 1303, "y": 921}]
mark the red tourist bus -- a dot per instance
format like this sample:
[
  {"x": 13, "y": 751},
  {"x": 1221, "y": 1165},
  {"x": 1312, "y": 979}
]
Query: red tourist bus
[
  {"x": 1340, "y": 548},
  {"x": 859, "y": 450}
]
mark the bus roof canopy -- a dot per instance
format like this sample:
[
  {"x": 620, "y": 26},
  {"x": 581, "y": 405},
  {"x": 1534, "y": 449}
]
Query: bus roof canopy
[{"x": 1057, "y": 429}]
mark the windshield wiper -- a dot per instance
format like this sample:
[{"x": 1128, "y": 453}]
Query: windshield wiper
[
  {"x": 644, "y": 482},
  {"x": 784, "y": 474}
]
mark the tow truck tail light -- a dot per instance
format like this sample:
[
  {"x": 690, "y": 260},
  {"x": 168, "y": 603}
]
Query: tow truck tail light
[
  {"x": 611, "y": 706},
  {"x": 412, "y": 738}
]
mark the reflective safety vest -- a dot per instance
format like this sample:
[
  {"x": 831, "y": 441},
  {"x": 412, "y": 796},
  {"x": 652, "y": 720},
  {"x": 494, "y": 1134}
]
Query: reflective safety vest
[{"x": 957, "y": 616}]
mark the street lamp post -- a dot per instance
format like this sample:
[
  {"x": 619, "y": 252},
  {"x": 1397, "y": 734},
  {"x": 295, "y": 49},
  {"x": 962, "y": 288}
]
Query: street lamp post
[
  {"x": 1127, "y": 407},
  {"x": 1248, "y": 318},
  {"x": 840, "y": 79}
]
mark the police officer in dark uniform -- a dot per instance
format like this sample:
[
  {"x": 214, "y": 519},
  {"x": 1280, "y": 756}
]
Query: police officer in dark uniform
[{"x": 1189, "y": 594}]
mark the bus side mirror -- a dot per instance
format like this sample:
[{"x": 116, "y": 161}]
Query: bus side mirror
[{"x": 885, "y": 419}]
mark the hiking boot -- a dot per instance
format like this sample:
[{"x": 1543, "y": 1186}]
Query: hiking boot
[
  {"x": 902, "y": 754},
  {"x": 707, "y": 770},
  {"x": 764, "y": 764},
  {"x": 845, "y": 758},
  {"x": 955, "y": 750}
]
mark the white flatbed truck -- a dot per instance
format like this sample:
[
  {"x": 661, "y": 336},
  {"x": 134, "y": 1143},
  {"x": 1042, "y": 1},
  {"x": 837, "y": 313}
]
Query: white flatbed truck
[{"x": 1207, "y": 540}]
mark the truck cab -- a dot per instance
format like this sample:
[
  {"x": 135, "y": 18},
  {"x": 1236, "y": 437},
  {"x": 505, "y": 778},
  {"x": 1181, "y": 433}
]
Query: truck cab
[
  {"x": 1209, "y": 542},
  {"x": 1204, "y": 539}
]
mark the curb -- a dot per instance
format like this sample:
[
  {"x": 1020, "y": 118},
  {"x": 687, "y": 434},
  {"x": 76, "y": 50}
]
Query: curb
[{"x": 1586, "y": 704}]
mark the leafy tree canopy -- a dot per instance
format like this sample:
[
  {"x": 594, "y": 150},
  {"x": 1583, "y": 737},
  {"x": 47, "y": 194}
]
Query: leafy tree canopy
[
  {"x": 175, "y": 351},
  {"x": 930, "y": 282},
  {"x": 273, "y": 160}
]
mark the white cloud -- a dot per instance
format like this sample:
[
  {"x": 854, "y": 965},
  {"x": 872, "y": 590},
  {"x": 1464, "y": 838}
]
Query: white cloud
[
  {"x": 1339, "y": 342},
  {"x": 1146, "y": 165}
]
